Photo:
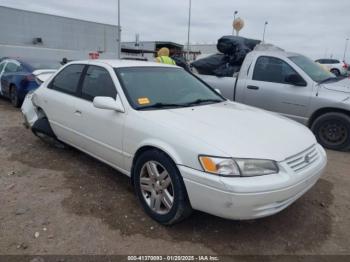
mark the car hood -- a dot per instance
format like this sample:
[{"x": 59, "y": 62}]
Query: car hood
[
  {"x": 238, "y": 130},
  {"x": 339, "y": 86}
]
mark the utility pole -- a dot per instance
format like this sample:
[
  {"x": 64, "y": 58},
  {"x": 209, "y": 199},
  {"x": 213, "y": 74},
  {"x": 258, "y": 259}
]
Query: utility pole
[
  {"x": 234, "y": 19},
  {"x": 189, "y": 29},
  {"x": 119, "y": 33},
  {"x": 266, "y": 23},
  {"x": 346, "y": 48}
]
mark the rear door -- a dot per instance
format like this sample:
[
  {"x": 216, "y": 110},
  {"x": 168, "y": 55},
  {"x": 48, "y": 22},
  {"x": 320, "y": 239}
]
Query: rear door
[
  {"x": 266, "y": 88},
  {"x": 60, "y": 101}
]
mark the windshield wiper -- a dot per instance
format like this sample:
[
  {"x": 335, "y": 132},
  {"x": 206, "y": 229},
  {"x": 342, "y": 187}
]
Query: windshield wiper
[
  {"x": 204, "y": 101},
  {"x": 326, "y": 80},
  {"x": 162, "y": 105}
]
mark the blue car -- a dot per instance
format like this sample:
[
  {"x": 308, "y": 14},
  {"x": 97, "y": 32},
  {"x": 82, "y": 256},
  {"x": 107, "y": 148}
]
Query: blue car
[{"x": 19, "y": 76}]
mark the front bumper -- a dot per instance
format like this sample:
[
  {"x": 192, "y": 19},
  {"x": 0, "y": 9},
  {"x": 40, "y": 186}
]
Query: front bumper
[{"x": 251, "y": 197}]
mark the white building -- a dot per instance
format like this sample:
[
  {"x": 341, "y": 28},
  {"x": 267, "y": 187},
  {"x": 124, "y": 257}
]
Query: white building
[{"x": 36, "y": 35}]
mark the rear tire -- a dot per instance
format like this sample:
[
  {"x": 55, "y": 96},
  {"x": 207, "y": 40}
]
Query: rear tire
[
  {"x": 160, "y": 188},
  {"x": 14, "y": 97},
  {"x": 332, "y": 131},
  {"x": 336, "y": 72}
]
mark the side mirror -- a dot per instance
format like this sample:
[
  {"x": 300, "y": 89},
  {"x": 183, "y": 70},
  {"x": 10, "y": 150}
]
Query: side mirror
[
  {"x": 295, "y": 79},
  {"x": 218, "y": 91},
  {"x": 108, "y": 103}
]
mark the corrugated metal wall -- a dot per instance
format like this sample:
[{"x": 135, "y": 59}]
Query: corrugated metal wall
[{"x": 61, "y": 36}]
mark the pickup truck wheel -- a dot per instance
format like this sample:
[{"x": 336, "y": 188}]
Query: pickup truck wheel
[
  {"x": 332, "y": 130},
  {"x": 160, "y": 189}
]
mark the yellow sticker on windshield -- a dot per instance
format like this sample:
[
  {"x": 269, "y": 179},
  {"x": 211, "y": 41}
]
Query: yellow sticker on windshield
[{"x": 143, "y": 101}]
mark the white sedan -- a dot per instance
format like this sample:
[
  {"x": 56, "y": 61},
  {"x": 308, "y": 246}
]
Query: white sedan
[{"x": 182, "y": 144}]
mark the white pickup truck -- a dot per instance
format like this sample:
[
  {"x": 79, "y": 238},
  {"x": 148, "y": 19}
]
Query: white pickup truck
[{"x": 294, "y": 86}]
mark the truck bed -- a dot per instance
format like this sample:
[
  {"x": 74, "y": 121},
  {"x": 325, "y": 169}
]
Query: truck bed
[{"x": 225, "y": 84}]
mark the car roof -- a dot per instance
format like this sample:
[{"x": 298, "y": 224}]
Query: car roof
[{"x": 116, "y": 63}]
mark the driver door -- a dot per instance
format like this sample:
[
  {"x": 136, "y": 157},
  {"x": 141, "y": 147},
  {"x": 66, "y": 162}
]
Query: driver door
[
  {"x": 100, "y": 131},
  {"x": 268, "y": 89}
]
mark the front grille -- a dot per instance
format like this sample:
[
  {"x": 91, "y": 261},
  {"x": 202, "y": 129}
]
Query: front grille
[{"x": 304, "y": 159}]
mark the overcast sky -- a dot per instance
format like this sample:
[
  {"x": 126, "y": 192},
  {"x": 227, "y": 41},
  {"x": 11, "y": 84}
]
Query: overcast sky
[{"x": 312, "y": 27}]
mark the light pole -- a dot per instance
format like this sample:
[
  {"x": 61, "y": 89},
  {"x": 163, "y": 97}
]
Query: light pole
[
  {"x": 189, "y": 29},
  {"x": 234, "y": 19},
  {"x": 119, "y": 32},
  {"x": 346, "y": 48},
  {"x": 266, "y": 23}
]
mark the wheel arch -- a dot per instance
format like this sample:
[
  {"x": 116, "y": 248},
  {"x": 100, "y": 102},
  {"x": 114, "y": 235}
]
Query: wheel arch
[
  {"x": 326, "y": 110},
  {"x": 335, "y": 69},
  {"x": 147, "y": 147}
]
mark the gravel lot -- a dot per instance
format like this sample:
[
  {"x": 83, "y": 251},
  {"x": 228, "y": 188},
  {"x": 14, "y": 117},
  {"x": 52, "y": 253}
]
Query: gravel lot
[{"x": 61, "y": 201}]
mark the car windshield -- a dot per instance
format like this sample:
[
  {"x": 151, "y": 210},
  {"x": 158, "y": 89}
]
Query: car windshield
[
  {"x": 36, "y": 64},
  {"x": 161, "y": 87},
  {"x": 313, "y": 70}
]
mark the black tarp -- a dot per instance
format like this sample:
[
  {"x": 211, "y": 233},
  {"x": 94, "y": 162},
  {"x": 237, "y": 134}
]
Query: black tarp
[
  {"x": 208, "y": 65},
  {"x": 231, "y": 44},
  {"x": 233, "y": 52}
]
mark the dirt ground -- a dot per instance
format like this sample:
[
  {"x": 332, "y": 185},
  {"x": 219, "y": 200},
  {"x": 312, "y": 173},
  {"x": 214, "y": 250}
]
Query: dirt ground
[{"x": 61, "y": 201}]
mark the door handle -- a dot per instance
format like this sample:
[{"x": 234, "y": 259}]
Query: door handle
[
  {"x": 78, "y": 113},
  {"x": 253, "y": 87}
]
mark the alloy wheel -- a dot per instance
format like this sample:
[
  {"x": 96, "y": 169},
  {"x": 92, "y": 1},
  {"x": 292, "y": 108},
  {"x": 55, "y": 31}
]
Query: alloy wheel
[{"x": 157, "y": 187}]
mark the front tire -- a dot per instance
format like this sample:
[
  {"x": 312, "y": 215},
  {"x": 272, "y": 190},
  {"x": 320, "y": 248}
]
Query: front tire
[
  {"x": 160, "y": 189},
  {"x": 332, "y": 131}
]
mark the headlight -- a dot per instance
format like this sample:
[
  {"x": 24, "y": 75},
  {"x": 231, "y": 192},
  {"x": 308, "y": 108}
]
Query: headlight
[{"x": 230, "y": 167}]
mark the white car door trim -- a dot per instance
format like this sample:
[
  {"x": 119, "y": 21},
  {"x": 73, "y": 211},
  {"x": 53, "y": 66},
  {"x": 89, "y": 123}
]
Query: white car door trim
[
  {"x": 91, "y": 139},
  {"x": 125, "y": 172}
]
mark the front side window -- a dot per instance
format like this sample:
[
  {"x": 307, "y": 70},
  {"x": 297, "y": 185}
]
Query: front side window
[
  {"x": 271, "y": 69},
  {"x": 97, "y": 82},
  {"x": 162, "y": 87},
  {"x": 67, "y": 80}
]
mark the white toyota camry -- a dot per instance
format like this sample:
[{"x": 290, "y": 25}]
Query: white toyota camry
[{"x": 182, "y": 144}]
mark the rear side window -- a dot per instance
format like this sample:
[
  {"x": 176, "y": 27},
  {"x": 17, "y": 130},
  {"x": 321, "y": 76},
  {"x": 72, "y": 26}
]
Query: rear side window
[
  {"x": 67, "y": 81},
  {"x": 97, "y": 82},
  {"x": 329, "y": 61},
  {"x": 12, "y": 67},
  {"x": 271, "y": 69}
]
